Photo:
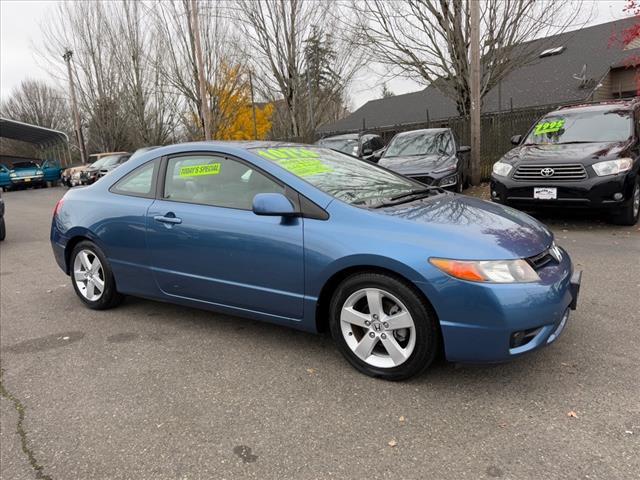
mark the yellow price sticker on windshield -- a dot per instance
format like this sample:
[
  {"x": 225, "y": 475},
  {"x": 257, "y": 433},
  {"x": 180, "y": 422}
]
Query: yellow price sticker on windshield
[
  {"x": 302, "y": 162},
  {"x": 548, "y": 127},
  {"x": 200, "y": 170}
]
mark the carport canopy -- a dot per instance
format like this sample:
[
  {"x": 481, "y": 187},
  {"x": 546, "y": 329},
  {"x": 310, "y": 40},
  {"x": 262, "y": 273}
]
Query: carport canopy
[
  {"x": 44, "y": 138},
  {"x": 25, "y": 132}
]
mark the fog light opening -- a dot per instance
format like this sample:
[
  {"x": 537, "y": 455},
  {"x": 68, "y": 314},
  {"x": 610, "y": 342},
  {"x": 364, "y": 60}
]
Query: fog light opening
[
  {"x": 522, "y": 337},
  {"x": 618, "y": 196}
]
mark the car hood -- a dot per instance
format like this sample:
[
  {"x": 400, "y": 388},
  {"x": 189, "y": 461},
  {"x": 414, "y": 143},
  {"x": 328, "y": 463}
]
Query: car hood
[
  {"x": 585, "y": 153},
  {"x": 482, "y": 230},
  {"x": 72, "y": 170},
  {"x": 423, "y": 164}
]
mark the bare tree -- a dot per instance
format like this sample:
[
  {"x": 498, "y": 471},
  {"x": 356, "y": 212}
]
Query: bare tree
[
  {"x": 178, "y": 64},
  {"x": 277, "y": 35},
  {"x": 121, "y": 94},
  {"x": 38, "y": 103},
  {"x": 429, "y": 39}
]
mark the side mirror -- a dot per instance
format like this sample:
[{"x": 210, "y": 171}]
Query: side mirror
[
  {"x": 367, "y": 151},
  {"x": 379, "y": 153},
  {"x": 464, "y": 149},
  {"x": 516, "y": 139},
  {"x": 273, "y": 205}
]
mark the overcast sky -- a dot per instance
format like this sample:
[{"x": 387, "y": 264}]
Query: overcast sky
[{"x": 20, "y": 34}]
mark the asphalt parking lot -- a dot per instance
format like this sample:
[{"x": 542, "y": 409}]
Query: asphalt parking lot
[{"x": 156, "y": 391}]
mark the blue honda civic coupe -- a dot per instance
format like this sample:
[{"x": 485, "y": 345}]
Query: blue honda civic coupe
[{"x": 314, "y": 239}]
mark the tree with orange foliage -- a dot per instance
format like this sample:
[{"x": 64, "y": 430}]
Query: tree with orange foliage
[{"x": 231, "y": 109}]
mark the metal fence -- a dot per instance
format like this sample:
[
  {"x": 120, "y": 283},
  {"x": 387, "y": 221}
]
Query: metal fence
[{"x": 496, "y": 131}]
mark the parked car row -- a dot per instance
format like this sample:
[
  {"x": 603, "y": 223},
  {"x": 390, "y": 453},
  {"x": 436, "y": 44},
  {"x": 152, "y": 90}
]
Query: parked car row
[
  {"x": 429, "y": 156},
  {"x": 100, "y": 165},
  {"x": 26, "y": 172},
  {"x": 584, "y": 156}
]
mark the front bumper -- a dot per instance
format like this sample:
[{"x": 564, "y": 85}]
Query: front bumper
[
  {"x": 30, "y": 180},
  {"x": 493, "y": 323},
  {"x": 592, "y": 192}
]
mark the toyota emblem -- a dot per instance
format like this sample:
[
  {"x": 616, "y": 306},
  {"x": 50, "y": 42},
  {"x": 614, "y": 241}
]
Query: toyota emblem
[{"x": 547, "y": 172}]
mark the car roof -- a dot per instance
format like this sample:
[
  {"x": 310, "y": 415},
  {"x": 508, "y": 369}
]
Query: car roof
[
  {"x": 349, "y": 136},
  {"x": 423, "y": 130},
  {"x": 624, "y": 104}
]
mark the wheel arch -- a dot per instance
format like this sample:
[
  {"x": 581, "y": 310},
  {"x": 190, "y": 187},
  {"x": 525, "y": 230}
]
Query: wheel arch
[
  {"x": 332, "y": 283},
  {"x": 75, "y": 238}
]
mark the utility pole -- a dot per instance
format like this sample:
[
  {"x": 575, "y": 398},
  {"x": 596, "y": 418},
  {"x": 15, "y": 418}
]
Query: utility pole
[
  {"x": 74, "y": 106},
  {"x": 253, "y": 108},
  {"x": 204, "y": 105},
  {"x": 474, "y": 81}
]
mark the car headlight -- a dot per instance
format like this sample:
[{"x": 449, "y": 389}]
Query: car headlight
[
  {"x": 39, "y": 172},
  {"x": 449, "y": 180},
  {"x": 502, "y": 169},
  {"x": 613, "y": 167},
  {"x": 13, "y": 174},
  {"x": 494, "y": 271}
]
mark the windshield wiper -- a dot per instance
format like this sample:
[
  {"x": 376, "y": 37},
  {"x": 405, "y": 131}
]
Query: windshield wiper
[
  {"x": 409, "y": 196},
  {"x": 417, "y": 191}
]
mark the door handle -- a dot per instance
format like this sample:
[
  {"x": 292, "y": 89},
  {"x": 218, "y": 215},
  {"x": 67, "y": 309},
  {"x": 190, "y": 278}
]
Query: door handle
[{"x": 167, "y": 219}]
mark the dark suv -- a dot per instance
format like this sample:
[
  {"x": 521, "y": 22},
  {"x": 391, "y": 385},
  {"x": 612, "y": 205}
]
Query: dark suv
[
  {"x": 361, "y": 145},
  {"x": 580, "y": 156}
]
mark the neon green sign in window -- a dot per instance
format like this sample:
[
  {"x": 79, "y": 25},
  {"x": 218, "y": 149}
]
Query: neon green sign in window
[
  {"x": 200, "y": 170},
  {"x": 299, "y": 161},
  {"x": 549, "y": 127}
]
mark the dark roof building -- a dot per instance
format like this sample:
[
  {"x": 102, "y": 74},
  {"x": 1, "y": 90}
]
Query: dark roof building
[{"x": 588, "y": 65}]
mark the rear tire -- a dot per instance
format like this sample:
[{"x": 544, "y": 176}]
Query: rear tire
[
  {"x": 92, "y": 278},
  {"x": 629, "y": 214},
  {"x": 3, "y": 229},
  {"x": 399, "y": 342}
]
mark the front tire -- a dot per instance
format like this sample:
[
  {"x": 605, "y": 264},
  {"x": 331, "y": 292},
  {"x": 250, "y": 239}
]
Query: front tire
[
  {"x": 3, "y": 229},
  {"x": 629, "y": 214},
  {"x": 92, "y": 277},
  {"x": 383, "y": 327}
]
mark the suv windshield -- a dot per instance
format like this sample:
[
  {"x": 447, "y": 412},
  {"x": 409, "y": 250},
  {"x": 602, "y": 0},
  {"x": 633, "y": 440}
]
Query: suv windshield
[
  {"x": 110, "y": 160},
  {"x": 582, "y": 127},
  {"x": 420, "y": 143},
  {"x": 25, "y": 165},
  {"x": 341, "y": 176}
]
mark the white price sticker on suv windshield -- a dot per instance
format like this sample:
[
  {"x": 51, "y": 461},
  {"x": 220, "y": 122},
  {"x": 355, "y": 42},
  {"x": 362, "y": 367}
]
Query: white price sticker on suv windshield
[{"x": 545, "y": 193}]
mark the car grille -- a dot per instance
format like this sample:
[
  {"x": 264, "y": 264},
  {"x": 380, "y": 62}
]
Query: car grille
[{"x": 550, "y": 172}]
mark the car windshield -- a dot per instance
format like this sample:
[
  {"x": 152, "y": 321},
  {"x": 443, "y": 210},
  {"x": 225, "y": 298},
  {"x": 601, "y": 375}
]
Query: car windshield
[
  {"x": 341, "y": 176},
  {"x": 25, "y": 165},
  {"x": 346, "y": 145},
  {"x": 420, "y": 143},
  {"x": 109, "y": 161},
  {"x": 100, "y": 162},
  {"x": 582, "y": 127}
]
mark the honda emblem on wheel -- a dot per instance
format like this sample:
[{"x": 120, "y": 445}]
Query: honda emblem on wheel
[{"x": 547, "y": 172}]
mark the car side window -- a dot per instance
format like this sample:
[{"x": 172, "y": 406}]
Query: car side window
[
  {"x": 141, "y": 182},
  {"x": 216, "y": 181}
]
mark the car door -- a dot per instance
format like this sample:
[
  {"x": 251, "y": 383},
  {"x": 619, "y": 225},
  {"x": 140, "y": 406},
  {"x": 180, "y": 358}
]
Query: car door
[
  {"x": 206, "y": 244},
  {"x": 51, "y": 170},
  {"x": 5, "y": 179}
]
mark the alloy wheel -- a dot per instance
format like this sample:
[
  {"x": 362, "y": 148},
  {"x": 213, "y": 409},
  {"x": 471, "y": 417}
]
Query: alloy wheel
[
  {"x": 636, "y": 200},
  {"x": 88, "y": 274},
  {"x": 378, "y": 328}
]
